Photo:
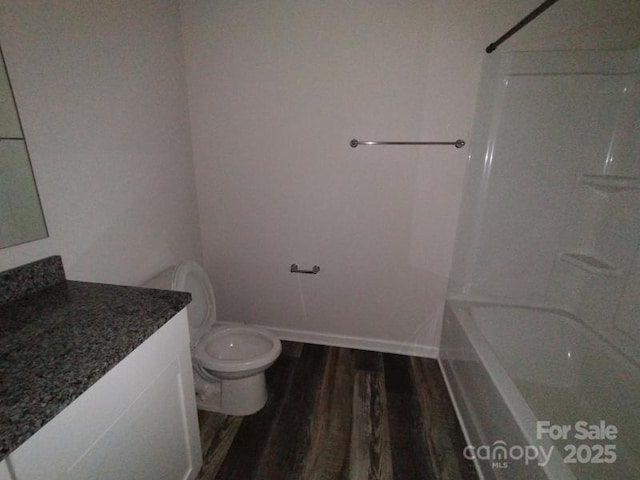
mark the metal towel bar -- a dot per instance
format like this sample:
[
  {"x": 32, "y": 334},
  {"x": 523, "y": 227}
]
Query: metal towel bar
[{"x": 458, "y": 143}]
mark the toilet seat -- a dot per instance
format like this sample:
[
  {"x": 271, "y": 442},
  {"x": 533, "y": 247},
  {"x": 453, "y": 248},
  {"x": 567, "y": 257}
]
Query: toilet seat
[
  {"x": 190, "y": 277},
  {"x": 229, "y": 349}
]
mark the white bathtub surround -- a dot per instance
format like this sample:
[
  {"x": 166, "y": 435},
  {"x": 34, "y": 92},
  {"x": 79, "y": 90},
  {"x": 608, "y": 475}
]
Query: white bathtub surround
[
  {"x": 542, "y": 322},
  {"x": 511, "y": 367},
  {"x": 552, "y": 200}
]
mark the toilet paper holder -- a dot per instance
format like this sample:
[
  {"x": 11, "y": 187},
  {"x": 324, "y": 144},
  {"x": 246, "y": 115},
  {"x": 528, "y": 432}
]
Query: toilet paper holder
[{"x": 296, "y": 269}]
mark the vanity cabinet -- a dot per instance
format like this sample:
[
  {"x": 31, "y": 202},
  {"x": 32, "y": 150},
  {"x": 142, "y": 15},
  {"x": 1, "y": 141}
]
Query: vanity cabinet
[{"x": 138, "y": 421}]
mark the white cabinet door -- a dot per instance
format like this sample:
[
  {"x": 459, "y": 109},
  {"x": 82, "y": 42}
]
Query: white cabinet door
[
  {"x": 5, "y": 473},
  {"x": 139, "y": 421}
]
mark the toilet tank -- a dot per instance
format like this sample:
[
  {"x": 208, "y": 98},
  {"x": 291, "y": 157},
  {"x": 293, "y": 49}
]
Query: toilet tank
[{"x": 162, "y": 281}]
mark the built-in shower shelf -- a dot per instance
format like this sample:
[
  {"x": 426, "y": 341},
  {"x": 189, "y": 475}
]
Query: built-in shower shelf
[
  {"x": 611, "y": 183},
  {"x": 590, "y": 263}
]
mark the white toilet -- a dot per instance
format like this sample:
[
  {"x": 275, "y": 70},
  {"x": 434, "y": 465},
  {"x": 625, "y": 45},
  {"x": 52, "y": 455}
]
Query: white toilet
[{"x": 228, "y": 360}]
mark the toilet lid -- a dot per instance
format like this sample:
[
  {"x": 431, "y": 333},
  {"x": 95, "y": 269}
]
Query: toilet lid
[{"x": 190, "y": 277}]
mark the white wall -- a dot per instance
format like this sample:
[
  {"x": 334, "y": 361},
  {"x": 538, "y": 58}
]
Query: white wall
[
  {"x": 276, "y": 91},
  {"x": 101, "y": 91}
]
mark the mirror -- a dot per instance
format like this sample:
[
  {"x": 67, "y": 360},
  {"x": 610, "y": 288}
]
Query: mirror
[{"x": 21, "y": 217}]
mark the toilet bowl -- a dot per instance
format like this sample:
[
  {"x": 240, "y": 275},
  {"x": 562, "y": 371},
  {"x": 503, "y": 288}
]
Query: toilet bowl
[{"x": 228, "y": 360}]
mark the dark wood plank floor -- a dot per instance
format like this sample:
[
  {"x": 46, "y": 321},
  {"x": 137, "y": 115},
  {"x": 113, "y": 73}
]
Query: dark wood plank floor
[{"x": 338, "y": 413}]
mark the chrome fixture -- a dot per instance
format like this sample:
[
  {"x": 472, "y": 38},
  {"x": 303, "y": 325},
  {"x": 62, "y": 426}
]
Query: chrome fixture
[{"x": 458, "y": 143}]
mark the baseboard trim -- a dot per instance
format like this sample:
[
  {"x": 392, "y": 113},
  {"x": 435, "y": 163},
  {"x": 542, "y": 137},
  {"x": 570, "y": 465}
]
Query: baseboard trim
[{"x": 361, "y": 343}]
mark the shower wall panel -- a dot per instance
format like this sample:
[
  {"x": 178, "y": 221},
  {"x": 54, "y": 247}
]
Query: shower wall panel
[{"x": 552, "y": 195}]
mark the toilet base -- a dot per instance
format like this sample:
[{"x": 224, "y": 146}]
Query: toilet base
[{"x": 243, "y": 396}]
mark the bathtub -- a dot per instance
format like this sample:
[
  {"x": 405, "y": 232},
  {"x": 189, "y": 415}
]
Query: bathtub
[{"x": 532, "y": 380}]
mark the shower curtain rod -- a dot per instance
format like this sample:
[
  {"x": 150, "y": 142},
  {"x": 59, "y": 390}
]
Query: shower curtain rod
[{"x": 520, "y": 24}]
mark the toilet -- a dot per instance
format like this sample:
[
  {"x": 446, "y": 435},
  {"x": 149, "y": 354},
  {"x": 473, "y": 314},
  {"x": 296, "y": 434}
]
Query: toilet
[{"x": 229, "y": 360}]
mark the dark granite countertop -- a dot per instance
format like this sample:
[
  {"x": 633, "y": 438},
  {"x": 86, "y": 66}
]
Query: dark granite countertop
[{"x": 57, "y": 342}]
